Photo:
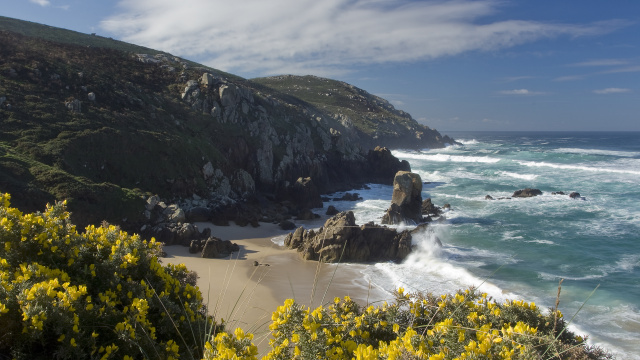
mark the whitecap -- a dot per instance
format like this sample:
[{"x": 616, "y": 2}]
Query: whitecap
[
  {"x": 468, "y": 142},
  {"x": 518, "y": 176},
  {"x": 597, "y": 152},
  {"x": 548, "y": 276},
  {"x": 446, "y": 158},
  {"x": 578, "y": 167},
  {"x": 545, "y": 242}
]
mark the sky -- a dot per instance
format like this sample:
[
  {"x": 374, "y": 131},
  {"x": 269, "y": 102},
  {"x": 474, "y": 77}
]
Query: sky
[{"x": 454, "y": 65}]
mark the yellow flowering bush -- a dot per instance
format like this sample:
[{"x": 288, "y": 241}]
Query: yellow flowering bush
[
  {"x": 465, "y": 325},
  {"x": 101, "y": 294}
]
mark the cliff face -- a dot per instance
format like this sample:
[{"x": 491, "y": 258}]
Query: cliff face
[
  {"x": 374, "y": 119},
  {"x": 105, "y": 128}
]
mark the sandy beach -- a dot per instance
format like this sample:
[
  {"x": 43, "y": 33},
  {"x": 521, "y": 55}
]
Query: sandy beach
[{"x": 245, "y": 295}]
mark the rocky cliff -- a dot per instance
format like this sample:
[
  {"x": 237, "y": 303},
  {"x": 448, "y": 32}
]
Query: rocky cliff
[{"x": 107, "y": 128}]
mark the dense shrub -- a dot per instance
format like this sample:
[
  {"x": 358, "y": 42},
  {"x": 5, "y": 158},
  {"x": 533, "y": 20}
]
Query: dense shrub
[
  {"x": 466, "y": 325},
  {"x": 102, "y": 294}
]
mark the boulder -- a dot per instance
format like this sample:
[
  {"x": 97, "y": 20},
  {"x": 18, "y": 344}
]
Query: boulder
[
  {"x": 406, "y": 202},
  {"x": 331, "y": 210},
  {"x": 349, "y": 197},
  {"x": 306, "y": 214},
  {"x": 575, "y": 195},
  {"x": 558, "y": 193},
  {"x": 287, "y": 225},
  {"x": 217, "y": 248},
  {"x": 489, "y": 197},
  {"x": 528, "y": 192},
  {"x": 342, "y": 240},
  {"x": 174, "y": 214},
  {"x": 429, "y": 209},
  {"x": 198, "y": 214}
]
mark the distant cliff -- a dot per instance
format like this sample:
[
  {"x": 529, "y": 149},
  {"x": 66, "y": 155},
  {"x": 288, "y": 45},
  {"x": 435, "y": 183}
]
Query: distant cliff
[{"x": 107, "y": 128}]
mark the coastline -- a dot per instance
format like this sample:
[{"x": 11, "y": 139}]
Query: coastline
[{"x": 245, "y": 295}]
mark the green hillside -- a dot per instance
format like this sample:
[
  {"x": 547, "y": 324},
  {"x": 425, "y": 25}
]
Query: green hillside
[{"x": 105, "y": 124}]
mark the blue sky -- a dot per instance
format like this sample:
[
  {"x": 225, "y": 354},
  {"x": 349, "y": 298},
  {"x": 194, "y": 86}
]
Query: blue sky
[{"x": 453, "y": 65}]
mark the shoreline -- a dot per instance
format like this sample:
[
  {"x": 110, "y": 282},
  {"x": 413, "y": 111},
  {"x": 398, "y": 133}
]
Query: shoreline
[{"x": 245, "y": 295}]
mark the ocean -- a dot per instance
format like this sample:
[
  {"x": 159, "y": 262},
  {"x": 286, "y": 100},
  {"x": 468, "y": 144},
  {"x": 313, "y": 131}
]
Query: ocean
[{"x": 522, "y": 247}]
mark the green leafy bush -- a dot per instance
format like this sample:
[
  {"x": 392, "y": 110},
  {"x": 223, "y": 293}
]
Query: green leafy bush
[{"x": 100, "y": 295}]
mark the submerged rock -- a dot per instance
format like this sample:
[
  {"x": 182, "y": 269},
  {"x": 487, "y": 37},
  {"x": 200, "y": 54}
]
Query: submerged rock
[{"x": 528, "y": 192}]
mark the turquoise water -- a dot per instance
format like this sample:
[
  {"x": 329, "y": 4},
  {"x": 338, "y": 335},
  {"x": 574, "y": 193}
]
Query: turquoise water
[{"x": 521, "y": 248}]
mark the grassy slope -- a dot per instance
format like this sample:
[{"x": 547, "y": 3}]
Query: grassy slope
[
  {"x": 369, "y": 113},
  {"x": 138, "y": 137},
  {"x": 134, "y": 136}
]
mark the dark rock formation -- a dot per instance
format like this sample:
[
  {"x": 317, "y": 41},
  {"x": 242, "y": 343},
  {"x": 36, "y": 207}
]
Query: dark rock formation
[
  {"x": 558, "y": 193},
  {"x": 226, "y": 139},
  {"x": 287, "y": 225},
  {"x": 575, "y": 195},
  {"x": 429, "y": 209},
  {"x": 349, "y": 197},
  {"x": 217, "y": 248},
  {"x": 303, "y": 194},
  {"x": 198, "y": 214},
  {"x": 306, "y": 214},
  {"x": 528, "y": 192},
  {"x": 383, "y": 165},
  {"x": 341, "y": 240},
  {"x": 489, "y": 197},
  {"x": 173, "y": 234},
  {"x": 406, "y": 202},
  {"x": 331, "y": 210}
]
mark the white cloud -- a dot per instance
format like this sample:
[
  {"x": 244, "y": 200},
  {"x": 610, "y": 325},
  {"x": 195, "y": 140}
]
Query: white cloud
[
  {"x": 41, "y": 2},
  {"x": 517, "y": 78},
  {"x": 633, "y": 68},
  {"x": 324, "y": 37},
  {"x": 612, "y": 91},
  {"x": 520, "y": 92},
  {"x": 602, "y": 62},
  {"x": 570, "y": 78}
]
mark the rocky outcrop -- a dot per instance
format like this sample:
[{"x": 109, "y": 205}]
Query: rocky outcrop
[
  {"x": 331, "y": 210},
  {"x": 227, "y": 139},
  {"x": 528, "y": 192},
  {"x": 349, "y": 197},
  {"x": 214, "y": 247},
  {"x": 342, "y": 240},
  {"x": 406, "y": 202},
  {"x": 303, "y": 193},
  {"x": 429, "y": 209},
  {"x": 383, "y": 164}
]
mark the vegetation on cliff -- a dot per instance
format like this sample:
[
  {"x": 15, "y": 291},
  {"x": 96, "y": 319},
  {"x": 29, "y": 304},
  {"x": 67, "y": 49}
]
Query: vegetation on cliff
[{"x": 103, "y": 123}]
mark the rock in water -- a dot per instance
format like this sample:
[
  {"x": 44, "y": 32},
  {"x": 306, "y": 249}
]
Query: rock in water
[
  {"x": 331, "y": 210},
  {"x": 527, "y": 193},
  {"x": 406, "y": 202},
  {"x": 341, "y": 240},
  {"x": 429, "y": 209}
]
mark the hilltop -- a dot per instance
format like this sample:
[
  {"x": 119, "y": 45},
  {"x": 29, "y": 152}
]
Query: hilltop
[{"x": 106, "y": 124}]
